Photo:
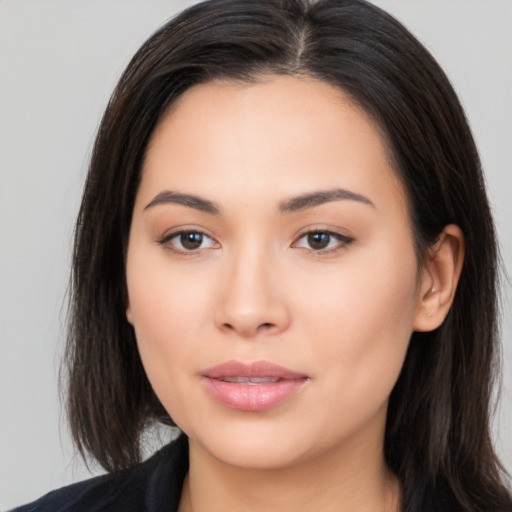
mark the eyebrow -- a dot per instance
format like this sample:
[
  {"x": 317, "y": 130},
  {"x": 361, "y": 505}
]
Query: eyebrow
[
  {"x": 192, "y": 201},
  {"x": 294, "y": 204},
  {"x": 310, "y": 200}
]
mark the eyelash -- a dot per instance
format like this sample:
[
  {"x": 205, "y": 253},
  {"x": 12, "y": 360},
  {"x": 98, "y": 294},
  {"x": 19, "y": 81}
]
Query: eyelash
[
  {"x": 167, "y": 241},
  {"x": 342, "y": 241}
]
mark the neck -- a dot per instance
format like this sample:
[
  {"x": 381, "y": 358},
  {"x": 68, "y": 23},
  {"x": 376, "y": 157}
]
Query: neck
[{"x": 356, "y": 480}]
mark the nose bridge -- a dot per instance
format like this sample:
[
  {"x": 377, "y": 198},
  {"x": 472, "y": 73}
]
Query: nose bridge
[{"x": 251, "y": 300}]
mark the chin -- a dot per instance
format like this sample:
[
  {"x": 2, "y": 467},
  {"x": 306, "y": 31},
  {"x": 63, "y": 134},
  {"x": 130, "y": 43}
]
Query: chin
[
  {"x": 255, "y": 454},
  {"x": 250, "y": 442}
]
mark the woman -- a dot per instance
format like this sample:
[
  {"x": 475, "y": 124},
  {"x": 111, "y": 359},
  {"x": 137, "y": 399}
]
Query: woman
[{"x": 285, "y": 249}]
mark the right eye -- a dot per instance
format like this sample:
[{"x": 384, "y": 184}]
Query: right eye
[{"x": 188, "y": 241}]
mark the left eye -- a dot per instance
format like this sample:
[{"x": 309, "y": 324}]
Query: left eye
[
  {"x": 188, "y": 241},
  {"x": 322, "y": 241}
]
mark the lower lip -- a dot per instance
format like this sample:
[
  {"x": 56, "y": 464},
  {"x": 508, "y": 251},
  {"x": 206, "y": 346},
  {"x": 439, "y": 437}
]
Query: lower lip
[{"x": 255, "y": 397}]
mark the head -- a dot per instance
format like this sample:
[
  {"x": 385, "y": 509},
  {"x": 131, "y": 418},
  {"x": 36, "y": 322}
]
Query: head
[{"x": 348, "y": 52}]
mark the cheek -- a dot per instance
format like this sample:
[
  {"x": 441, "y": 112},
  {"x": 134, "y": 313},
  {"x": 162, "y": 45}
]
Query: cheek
[
  {"x": 361, "y": 323},
  {"x": 167, "y": 329},
  {"x": 168, "y": 310}
]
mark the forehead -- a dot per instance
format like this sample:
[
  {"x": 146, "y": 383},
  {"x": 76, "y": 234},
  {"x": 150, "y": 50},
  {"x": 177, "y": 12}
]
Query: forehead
[{"x": 293, "y": 134}]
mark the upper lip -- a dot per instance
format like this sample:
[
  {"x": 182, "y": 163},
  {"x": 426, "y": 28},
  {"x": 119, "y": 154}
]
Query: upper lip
[{"x": 254, "y": 369}]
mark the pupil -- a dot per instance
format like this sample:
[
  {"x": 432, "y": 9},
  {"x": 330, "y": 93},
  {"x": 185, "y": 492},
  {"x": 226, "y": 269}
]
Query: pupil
[
  {"x": 191, "y": 240},
  {"x": 318, "y": 240}
]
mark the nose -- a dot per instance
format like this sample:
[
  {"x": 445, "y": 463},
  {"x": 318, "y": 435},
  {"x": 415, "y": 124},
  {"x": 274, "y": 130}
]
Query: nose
[{"x": 252, "y": 299}]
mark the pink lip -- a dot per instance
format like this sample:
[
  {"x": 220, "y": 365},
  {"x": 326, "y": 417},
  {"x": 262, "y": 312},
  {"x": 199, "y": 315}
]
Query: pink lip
[{"x": 252, "y": 395}]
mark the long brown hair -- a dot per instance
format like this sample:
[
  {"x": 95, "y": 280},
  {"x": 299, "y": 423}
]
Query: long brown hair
[{"x": 437, "y": 433}]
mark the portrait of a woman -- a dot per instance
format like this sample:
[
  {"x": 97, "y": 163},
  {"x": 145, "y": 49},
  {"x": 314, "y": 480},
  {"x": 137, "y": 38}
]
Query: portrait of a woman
[{"x": 285, "y": 250}]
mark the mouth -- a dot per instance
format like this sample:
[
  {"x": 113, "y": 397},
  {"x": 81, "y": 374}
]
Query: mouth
[
  {"x": 252, "y": 387},
  {"x": 249, "y": 381}
]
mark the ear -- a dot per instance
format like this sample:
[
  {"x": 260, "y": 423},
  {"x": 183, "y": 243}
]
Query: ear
[
  {"x": 129, "y": 315},
  {"x": 439, "y": 280}
]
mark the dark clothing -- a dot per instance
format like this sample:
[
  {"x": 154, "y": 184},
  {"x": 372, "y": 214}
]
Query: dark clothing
[{"x": 153, "y": 486}]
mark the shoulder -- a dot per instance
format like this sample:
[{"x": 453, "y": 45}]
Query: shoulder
[
  {"x": 442, "y": 499},
  {"x": 142, "y": 488}
]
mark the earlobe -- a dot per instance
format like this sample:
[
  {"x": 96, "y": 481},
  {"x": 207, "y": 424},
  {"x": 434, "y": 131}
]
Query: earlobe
[
  {"x": 440, "y": 278},
  {"x": 129, "y": 315}
]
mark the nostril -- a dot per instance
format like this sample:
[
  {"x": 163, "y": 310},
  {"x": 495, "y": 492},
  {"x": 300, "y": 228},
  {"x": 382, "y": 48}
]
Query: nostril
[{"x": 263, "y": 326}]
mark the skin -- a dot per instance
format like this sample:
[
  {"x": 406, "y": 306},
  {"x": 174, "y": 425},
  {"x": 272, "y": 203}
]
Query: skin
[{"x": 255, "y": 289}]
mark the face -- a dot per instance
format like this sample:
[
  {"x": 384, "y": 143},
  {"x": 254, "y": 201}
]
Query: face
[{"x": 271, "y": 272}]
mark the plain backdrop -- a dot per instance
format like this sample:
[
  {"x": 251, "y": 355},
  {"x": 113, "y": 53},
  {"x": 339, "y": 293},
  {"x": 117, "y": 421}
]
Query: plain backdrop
[{"x": 59, "y": 61}]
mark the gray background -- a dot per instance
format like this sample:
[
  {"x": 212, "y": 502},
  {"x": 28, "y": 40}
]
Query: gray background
[{"x": 59, "y": 60}]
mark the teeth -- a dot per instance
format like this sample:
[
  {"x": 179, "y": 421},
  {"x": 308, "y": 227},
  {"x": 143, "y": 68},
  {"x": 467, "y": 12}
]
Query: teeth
[{"x": 250, "y": 381}]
